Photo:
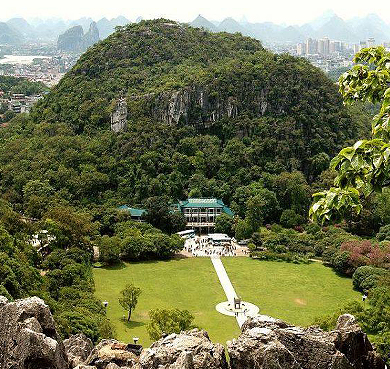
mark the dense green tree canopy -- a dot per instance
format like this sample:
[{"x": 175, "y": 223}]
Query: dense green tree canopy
[{"x": 364, "y": 167}]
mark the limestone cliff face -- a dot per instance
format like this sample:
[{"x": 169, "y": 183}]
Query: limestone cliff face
[
  {"x": 91, "y": 37},
  {"x": 28, "y": 340},
  {"x": 74, "y": 39},
  {"x": 28, "y": 337},
  {"x": 71, "y": 40},
  {"x": 203, "y": 105}
]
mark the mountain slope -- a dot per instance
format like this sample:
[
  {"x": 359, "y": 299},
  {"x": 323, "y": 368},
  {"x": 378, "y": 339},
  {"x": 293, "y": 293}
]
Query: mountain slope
[
  {"x": 21, "y": 26},
  {"x": 142, "y": 58},
  {"x": 232, "y": 26},
  {"x": 9, "y": 36},
  {"x": 201, "y": 22},
  {"x": 336, "y": 29},
  {"x": 208, "y": 113}
]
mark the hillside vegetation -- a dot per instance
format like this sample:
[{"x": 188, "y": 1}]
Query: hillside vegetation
[{"x": 276, "y": 113}]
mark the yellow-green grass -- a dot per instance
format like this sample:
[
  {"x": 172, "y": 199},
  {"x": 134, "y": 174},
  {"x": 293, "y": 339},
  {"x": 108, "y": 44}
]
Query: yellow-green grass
[
  {"x": 296, "y": 293},
  {"x": 190, "y": 284}
]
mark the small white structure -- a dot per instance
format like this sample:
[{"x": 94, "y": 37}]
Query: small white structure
[
  {"x": 219, "y": 238},
  {"x": 189, "y": 233}
]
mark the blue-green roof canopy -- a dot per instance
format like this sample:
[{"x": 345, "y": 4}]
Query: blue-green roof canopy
[{"x": 134, "y": 212}]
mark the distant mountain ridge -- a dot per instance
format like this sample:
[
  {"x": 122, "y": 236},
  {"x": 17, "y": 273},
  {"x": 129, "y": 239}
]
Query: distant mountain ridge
[
  {"x": 18, "y": 30},
  {"x": 328, "y": 25},
  {"x": 74, "y": 39}
]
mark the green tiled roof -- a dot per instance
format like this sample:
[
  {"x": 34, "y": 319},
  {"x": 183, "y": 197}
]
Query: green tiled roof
[
  {"x": 204, "y": 203},
  {"x": 134, "y": 212}
]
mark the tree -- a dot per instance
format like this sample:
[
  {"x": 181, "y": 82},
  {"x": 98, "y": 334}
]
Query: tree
[
  {"x": 167, "y": 321},
  {"x": 261, "y": 208},
  {"x": 159, "y": 214},
  {"x": 243, "y": 230},
  {"x": 109, "y": 250},
  {"x": 290, "y": 219},
  {"x": 129, "y": 298},
  {"x": 364, "y": 167},
  {"x": 224, "y": 224}
]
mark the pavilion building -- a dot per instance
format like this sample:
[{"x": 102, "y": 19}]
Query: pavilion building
[
  {"x": 135, "y": 213},
  {"x": 201, "y": 213}
]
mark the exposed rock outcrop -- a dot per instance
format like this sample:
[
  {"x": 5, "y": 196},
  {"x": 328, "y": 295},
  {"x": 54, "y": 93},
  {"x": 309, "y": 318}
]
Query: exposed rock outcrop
[
  {"x": 71, "y": 40},
  {"x": 28, "y": 338},
  {"x": 269, "y": 344},
  {"x": 74, "y": 39},
  {"x": 111, "y": 352},
  {"x": 78, "y": 347},
  {"x": 119, "y": 116},
  {"x": 187, "y": 350},
  {"x": 205, "y": 105},
  {"x": 91, "y": 37}
]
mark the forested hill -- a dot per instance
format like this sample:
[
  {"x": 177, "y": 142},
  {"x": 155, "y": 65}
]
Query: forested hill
[
  {"x": 147, "y": 57},
  {"x": 209, "y": 115}
]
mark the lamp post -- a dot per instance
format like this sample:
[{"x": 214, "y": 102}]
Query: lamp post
[{"x": 364, "y": 298}]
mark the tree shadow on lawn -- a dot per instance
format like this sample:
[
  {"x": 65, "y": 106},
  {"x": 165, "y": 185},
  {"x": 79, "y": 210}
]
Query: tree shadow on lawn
[{"x": 132, "y": 324}]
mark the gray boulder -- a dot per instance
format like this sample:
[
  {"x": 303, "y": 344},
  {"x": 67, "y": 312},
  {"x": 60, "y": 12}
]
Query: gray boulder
[
  {"x": 271, "y": 343},
  {"x": 28, "y": 338},
  {"x": 111, "y": 352},
  {"x": 78, "y": 347},
  {"x": 187, "y": 350}
]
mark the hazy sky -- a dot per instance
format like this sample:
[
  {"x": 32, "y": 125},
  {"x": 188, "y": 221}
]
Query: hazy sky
[{"x": 278, "y": 11}]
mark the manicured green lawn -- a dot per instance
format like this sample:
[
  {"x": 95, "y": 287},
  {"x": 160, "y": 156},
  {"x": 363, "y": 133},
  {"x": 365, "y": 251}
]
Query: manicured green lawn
[
  {"x": 295, "y": 293},
  {"x": 190, "y": 284}
]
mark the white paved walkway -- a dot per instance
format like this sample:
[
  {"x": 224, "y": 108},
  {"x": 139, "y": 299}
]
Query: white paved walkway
[{"x": 227, "y": 286}]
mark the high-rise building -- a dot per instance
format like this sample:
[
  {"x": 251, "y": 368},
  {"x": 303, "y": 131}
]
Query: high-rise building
[
  {"x": 335, "y": 47},
  {"x": 371, "y": 42},
  {"x": 311, "y": 46},
  {"x": 324, "y": 46},
  {"x": 363, "y": 44},
  {"x": 301, "y": 49}
]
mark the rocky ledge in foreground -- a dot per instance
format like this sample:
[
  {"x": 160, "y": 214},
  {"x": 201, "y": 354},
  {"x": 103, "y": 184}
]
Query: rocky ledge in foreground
[{"x": 28, "y": 340}]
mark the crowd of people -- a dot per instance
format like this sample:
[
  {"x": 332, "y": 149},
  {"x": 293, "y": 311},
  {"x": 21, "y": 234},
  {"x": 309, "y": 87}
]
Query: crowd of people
[{"x": 203, "y": 246}]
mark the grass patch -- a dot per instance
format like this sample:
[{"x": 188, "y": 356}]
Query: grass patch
[
  {"x": 296, "y": 293},
  {"x": 190, "y": 284}
]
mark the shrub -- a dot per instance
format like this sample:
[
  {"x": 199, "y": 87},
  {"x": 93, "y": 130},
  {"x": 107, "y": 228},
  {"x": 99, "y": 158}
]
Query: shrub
[
  {"x": 167, "y": 321},
  {"x": 275, "y": 256},
  {"x": 290, "y": 219},
  {"x": 384, "y": 233},
  {"x": 366, "y": 277}
]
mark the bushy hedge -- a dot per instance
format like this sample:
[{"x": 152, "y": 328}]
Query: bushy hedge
[
  {"x": 275, "y": 256},
  {"x": 366, "y": 277}
]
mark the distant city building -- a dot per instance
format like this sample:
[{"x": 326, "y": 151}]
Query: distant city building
[
  {"x": 301, "y": 49},
  {"x": 201, "y": 213},
  {"x": 311, "y": 46},
  {"x": 324, "y": 46},
  {"x": 371, "y": 42},
  {"x": 362, "y": 44}
]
